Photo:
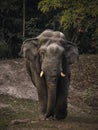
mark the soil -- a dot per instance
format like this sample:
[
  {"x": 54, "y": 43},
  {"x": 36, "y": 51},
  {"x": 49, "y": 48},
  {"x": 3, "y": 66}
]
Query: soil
[
  {"x": 17, "y": 88},
  {"x": 15, "y": 81}
]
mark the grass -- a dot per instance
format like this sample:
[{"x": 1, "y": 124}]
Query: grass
[
  {"x": 17, "y": 109},
  {"x": 21, "y": 109}
]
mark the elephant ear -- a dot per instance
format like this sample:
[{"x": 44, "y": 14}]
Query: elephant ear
[
  {"x": 72, "y": 54},
  {"x": 29, "y": 50}
]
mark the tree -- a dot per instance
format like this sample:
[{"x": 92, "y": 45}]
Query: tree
[
  {"x": 23, "y": 19},
  {"x": 77, "y": 19},
  {"x": 10, "y": 27}
]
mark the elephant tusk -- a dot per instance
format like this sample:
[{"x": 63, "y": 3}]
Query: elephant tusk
[
  {"x": 62, "y": 74},
  {"x": 41, "y": 74}
]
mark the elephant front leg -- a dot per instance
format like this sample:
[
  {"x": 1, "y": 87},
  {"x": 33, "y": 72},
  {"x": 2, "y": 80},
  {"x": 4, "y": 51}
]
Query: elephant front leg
[
  {"x": 61, "y": 110},
  {"x": 43, "y": 103},
  {"x": 42, "y": 97},
  {"x": 61, "y": 104}
]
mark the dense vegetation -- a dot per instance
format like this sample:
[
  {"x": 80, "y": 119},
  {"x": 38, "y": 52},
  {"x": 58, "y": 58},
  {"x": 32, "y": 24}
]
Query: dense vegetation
[{"x": 20, "y": 19}]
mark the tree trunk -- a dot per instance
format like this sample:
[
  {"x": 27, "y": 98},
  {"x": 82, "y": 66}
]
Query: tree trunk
[{"x": 23, "y": 19}]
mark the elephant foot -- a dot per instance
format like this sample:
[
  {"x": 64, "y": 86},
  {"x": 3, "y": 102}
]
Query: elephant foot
[
  {"x": 61, "y": 115},
  {"x": 44, "y": 118},
  {"x": 51, "y": 118}
]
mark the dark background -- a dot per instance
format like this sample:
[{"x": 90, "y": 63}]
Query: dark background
[{"x": 78, "y": 20}]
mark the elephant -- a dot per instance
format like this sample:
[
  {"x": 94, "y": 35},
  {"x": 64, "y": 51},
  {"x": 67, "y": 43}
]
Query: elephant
[{"x": 48, "y": 58}]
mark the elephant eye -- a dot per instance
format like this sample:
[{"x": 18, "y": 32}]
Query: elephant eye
[{"x": 42, "y": 53}]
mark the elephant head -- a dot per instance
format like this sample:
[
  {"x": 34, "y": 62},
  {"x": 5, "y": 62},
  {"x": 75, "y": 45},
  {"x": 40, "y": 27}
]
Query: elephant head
[{"x": 50, "y": 55}]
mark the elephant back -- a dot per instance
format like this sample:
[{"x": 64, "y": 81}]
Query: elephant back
[{"x": 50, "y": 35}]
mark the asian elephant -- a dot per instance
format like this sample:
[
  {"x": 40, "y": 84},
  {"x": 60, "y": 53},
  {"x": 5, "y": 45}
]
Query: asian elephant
[{"x": 48, "y": 58}]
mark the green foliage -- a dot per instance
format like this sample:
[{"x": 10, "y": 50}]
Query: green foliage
[
  {"x": 76, "y": 18},
  {"x": 31, "y": 27},
  {"x": 71, "y": 11},
  {"x": 10, "y": 28},
  {"x": 47, "y": 5},
  {"x": 4, "y": 50}
]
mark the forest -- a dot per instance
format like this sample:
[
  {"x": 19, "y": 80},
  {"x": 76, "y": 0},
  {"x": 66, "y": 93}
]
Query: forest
[{"x": 21, "y": 19}]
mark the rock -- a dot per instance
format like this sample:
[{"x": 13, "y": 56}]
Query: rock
[{"x": 19, "y": 121}]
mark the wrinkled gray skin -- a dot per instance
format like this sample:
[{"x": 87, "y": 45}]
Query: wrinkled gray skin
[{"x": 52, "y": 54}]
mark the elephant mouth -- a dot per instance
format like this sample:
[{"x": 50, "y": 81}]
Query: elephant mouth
[{"x": 61, "y": 74}]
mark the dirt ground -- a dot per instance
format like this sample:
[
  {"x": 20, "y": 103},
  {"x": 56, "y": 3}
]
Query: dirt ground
[
  {"x": 19, "y": 107},
  {"x": 15, "y": 81}
]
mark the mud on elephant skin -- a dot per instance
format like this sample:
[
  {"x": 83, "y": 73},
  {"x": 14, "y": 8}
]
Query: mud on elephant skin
[{"x": 48, "y": 58}]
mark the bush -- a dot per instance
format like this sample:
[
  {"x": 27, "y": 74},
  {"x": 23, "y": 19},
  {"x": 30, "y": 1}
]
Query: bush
[{"x": 4, "y": 50}]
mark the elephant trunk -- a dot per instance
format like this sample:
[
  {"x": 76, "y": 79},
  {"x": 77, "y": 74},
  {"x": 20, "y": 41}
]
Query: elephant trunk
[{"x": 51, "y": 99}]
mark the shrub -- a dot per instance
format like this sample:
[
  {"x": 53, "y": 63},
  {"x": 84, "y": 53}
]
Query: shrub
[{"x": 4, "y": 50}]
